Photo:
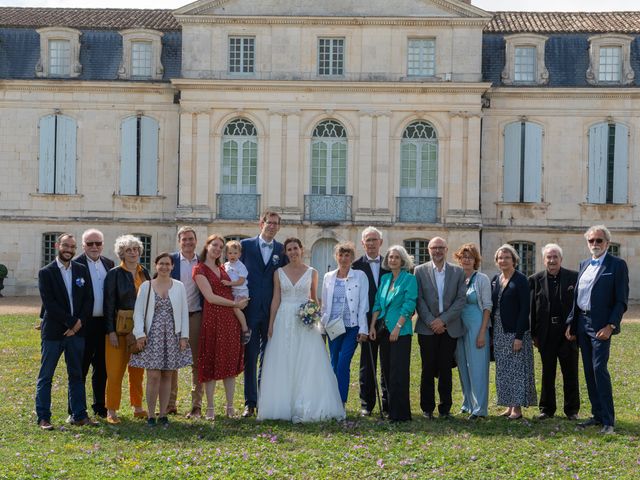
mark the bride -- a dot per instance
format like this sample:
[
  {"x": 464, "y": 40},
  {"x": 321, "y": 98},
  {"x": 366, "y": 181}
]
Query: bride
[{"x": 297, "y": 381}]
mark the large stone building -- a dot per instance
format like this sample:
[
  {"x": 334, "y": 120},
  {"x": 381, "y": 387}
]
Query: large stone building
[{"x": 422, "y": 117}]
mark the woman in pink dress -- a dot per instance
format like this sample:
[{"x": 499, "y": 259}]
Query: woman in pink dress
[{"x": 221, "y": 354}]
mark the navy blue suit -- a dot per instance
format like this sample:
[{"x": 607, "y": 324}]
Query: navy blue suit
[
  {"x": 608, "y": 302},
  {"x": 57, "y": 319},
  {"x": 260, "y": 279}
]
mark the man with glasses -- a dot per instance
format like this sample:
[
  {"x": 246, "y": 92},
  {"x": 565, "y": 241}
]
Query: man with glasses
[
  {"x": 94, "y": 331},
  {"x": 67, "y": 297},
  {"x": 262, "y": 255},
  {"x": 600, "y": 301},
  {"x": 441, "y": 298}
]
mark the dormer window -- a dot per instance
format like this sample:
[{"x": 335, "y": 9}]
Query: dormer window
[
  {"x": 610, "y": 60},
  {"x": 141, "y": 51},
  {"x": 59, "y": 53},
  {"x": 525, "y": 60}
]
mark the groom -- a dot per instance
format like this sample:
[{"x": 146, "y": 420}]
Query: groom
[{"x": 262, "y": 255}]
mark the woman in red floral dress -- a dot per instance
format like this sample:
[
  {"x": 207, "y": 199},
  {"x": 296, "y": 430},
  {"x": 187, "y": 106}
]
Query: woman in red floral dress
[{"x": 220, "y": 355}]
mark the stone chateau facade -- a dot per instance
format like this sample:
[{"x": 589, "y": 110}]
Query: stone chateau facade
[{"x": 421, "y": 117}]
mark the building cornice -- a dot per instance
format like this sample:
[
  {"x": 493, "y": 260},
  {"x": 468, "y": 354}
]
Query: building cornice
[
  {"x": 320, "y": 86},
  {"x": 86, "y": 86},
  {"x": 564, "y": 93}
]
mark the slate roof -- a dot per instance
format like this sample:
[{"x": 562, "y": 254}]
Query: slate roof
[
  {"x": 564, "y": 22},
  {"x": 88, "y": 18}
]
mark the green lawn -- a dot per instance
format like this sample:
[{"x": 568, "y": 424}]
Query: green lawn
[{"x": 366, "y": 448}]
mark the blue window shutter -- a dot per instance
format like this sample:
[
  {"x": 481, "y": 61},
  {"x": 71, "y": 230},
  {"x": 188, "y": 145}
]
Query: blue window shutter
[
  {"x": 148, "y": 156},
  {"x": 598, "y": 135},
  {"x": 46, "y": 183},
  {"x": 620, "y": 162},
  {"x": 512, "y": 151},
  {"x": 128, "y": 158},
  {"x": 66, "y": 155},
  {"x": 533, "y": 163}
]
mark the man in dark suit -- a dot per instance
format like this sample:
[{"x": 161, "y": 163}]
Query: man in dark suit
[
  {"x": 600, "y": 301},
  {"x": 371, "y": 264},
  {"x": 551, "y": 303},
  {"x": 94, "y": 331},
  {"x": 183, "y": 262},
  {"x": 67, "y": 296},
  {"x": 441, "y": 298},
  {"x": 262, "y": 255}
]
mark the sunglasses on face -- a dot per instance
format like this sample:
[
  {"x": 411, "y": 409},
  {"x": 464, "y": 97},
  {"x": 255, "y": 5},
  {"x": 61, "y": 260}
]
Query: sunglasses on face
[
  {"x": 596, "y": 240},
  {"x": 93, "y": 244}
]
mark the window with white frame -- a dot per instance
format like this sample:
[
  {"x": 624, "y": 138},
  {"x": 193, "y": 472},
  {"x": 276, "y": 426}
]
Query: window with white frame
[
  {"x": 421, "y": 57},
  {"x": 419, "y": 161},
  {"x": 59, "y": 53},
  {"x": 331, "y": 56},
  {"x": 139, "y": 156},
  {"x": 57, "y": 154},
  {"x": 608, "y": 163},
  {"x": 49, "y": 240},
  {"x": 418, "y": 249},
  {"x": 145, "y": 256},
  {"x": 610, "y": 60},
  {"x": 329, "y": 159},
  {"x": 614, "y": 249},
  {"x": 527, "y": 253},
  {"x": 242, "y": 52},
  {"x": 522, "y": 162},
  {"x": 239, "y": 157},
  {"x": 141, "y": 55},
  {"x": 524, "y": 60}
]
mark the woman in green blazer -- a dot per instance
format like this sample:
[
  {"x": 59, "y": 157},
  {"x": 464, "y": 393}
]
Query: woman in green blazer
[{"x": 391, "y": 322}]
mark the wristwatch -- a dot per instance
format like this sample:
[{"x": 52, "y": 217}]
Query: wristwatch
[{"x": 613, "y": 327}]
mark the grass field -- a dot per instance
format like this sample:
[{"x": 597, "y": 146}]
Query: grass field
[{"x": 360, "y": 448}]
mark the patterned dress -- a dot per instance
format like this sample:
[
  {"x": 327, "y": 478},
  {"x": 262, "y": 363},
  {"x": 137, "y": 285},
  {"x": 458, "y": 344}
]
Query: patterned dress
[
  {"x": 163, "y": 344},
  {"x": 220, "y": 355},
  {"x": 515, "y": 382}
]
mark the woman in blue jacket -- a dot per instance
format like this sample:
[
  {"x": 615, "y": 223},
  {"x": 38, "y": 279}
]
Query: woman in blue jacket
[{"x": 391, "y": 321}]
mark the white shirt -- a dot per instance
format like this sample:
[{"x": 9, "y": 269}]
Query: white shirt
[
  {"x": 67, "y": 277},
  {"x": 186, "y": 277},
  {"x": 235, "y": 270},
  {"x": 375, "y": 267},
  {"x": 439, "y": 276},
  {"x": 98, "y": 274},
  {"x": 266, "y": 251},
  {"x": 585, "y": 285}
]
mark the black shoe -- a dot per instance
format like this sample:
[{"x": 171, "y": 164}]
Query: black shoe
[
  {"x": 573, "y": 416},
  {"x": 249, "y": 412},
  {"x": 428, "y": 415},
  {"x": 544, "y": 416},
  {"x": 445, "y": 416},
  {"x": 101, "y": 413},
  {"x": 474, "y": 417},
  {"x": 151, "y": 422},
  {"x": 591, "y": 422},
  {"x": 365, "y": 412},
  {"x": 84, "y": 422},
  {"x": 164, "y": 421}
]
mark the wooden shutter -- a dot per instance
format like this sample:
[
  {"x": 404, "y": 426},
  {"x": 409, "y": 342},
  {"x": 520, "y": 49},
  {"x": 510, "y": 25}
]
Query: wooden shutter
[
  {"x": 532, "y": 163},
  {"x": 47, "y": 156},
  {"x": 598, "y": 135},
  {"x": 620, "y": 163},
  {"x": 128, "y": 156},
  {"x": 66, "y": 155},
  {"x": 512, "y": 152},
  {"x": 148, "y": 156}
]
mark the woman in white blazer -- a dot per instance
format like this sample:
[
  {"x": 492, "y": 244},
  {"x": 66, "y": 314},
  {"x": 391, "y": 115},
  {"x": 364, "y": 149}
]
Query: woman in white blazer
[
  {"x": 161, "y": 327},
  {"x": 345, "y": 303}
]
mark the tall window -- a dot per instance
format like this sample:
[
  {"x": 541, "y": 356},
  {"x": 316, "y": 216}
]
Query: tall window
[
  {"x": 139, "y": 156},
  {"x": 57, "y": 156},
  {"x": 608, "y": 161},
  {"x": 59, "y": 58},
  {"x": 145, "y": 258},
  {"x": 239, "y": 157},
  {"x": 329, "y": 159},
  {"x": 331, "y": 56},
  {"x": 141, "y": 59},
  {"x": 49, "y": 247},
  {"x": 242, "y": 54},
  {"x": 418, "y": 249},
  {"x": 610, "y": 66},
  {"x": 527, "y": 253},
  {"x": 522, "y": 162},
  {"x": 421, "y": 57},
  {"x": 525, "y": 64},
  {"x": 419, "y": 161}
]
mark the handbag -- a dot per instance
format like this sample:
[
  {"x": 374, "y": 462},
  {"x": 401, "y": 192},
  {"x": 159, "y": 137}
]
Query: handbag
[
  {"x": 132, "y": 341},
  {"x": 335, "y": 328},
  {"x": 124, "y": 322}
]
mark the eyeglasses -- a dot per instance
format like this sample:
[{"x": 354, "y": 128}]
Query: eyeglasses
[
  {"x": 437, "y": 248},
  {"x": 596, "y": 240},
  {"x": 93, "y": 244},
  {"x": 272, "y": 224}
]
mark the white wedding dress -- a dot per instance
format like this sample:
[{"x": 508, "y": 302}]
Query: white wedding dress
[{"x": 297, "y": 381}]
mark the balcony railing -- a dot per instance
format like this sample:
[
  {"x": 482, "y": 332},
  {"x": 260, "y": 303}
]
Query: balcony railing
[
  {"x": 418, "y": 209},
  {"x": 327, "y": 208},
  {"x": 238, "y": 206}
]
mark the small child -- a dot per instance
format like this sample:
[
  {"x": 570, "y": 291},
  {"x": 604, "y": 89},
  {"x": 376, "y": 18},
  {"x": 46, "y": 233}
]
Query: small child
[{"x": 238, "y": 274}]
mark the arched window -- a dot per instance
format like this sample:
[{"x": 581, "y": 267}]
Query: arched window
[
  {"x": 527, "y": 253},
  {"x": 329, "y": 159},
  {"x": 239, "y": 157},
  {"x": 419, "y": 161}
]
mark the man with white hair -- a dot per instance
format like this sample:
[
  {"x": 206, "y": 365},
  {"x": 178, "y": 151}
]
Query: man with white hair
[{"x": 551, "y": 301}]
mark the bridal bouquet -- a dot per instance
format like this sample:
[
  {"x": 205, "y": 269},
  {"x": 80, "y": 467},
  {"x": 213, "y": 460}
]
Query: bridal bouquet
[{"x": 309, "y": 313}]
